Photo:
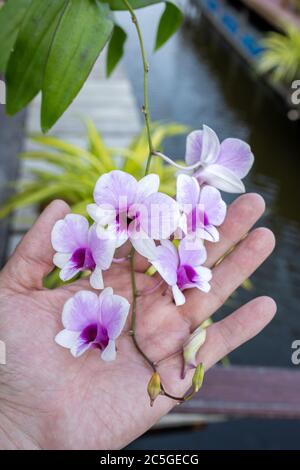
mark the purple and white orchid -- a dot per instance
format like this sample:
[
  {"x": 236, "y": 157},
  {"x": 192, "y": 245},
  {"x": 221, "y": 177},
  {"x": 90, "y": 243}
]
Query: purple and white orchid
[
  {"x": 222, "y": 165},
  {"x": 93, "y": 322},
  {"x": 202, "y": 209},
  {"x": 129, "y": 209},
  {"x": 182, "y": 269},
  {"x": 79, "y": 249}
]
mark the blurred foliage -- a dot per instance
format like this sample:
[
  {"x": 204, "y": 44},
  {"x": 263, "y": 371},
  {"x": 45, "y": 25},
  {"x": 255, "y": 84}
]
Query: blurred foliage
[
  {"x": 281, "y": 57},
  {"x": 52, "y": 45},
  {"x": 71, "y": 172}
]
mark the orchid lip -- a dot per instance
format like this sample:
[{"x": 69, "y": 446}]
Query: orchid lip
[
  {"x": 95, "y": 334},
  {"x": 83, "y": 259},
  {"x": 185, "y": 275}
]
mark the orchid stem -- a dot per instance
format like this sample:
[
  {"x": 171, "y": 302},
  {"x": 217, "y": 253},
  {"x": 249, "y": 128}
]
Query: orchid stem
[
  {"x": 146, "y": 94},
  {"x": 173, "y": 397},
  {"x": 151, "y": 153},
  {"x": 177, "y": 165},
  {"x": 133, "y": 316}
]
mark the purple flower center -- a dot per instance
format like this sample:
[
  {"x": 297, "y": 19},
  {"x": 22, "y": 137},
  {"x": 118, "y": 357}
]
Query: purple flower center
[
  {"x": 96, "y": 334},
  {"x": 197, "y": 219},
  {"x": 83, "y": 259},
  {"x": 123, "y": 220},
  {"x": 185, "y": 275}
]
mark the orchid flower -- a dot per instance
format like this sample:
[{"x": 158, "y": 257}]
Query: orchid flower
[
  {"x": 79, "y": 249},
  {"x": 93, "y": 322},
  {"x": 220, "y": 165},
  {"x": 182, "y": 269},
  {"x": 129, "y": 209},
  {"x": 202, "y": 209}
]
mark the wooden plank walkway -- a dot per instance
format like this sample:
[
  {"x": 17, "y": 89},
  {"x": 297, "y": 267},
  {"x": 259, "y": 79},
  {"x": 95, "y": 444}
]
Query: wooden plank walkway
[
  {"x": 112, "y": 107},
  {"x": 260, "y": 392}
]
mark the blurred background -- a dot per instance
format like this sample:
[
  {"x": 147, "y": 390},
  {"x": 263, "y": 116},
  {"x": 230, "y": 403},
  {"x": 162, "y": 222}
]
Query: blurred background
[{"x": 225, "y": 69}]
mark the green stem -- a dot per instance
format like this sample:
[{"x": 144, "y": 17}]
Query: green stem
[
  {"x": 133, "y": 315},
  {"x": 146, "y": 94},
  {"x": 150, "y": 155}
]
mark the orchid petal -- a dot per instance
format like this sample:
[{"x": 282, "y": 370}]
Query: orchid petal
[
  {"x": 70, "y": 233},
  {"x": 166, "y": 262},
  {"x": 106, "y": 291},
  {"x": 188, "y": 191},
  {"x": 96, "y": 279},
  {"x": 210, "y": 233},
  {"x": 68, "y": 271},
  {"x": 221, "y": 178},
  {"x": 204, "y": 273},
  {"x": 102, "y": 249},
  {"x": 147, "y": 186},
  {"x": 116, "y": 188},
  {"x": 194, "y": 143},
  {"x": 80, "y": 347},
  {"x": 114, "y": 312},
  {"x": 61, "y": 259},
  {"x": 80, "y": 311},
  {"x": 191, "y": 252},
  {"x": 109, "y": 353},
  {"x": 213, "y": 204},
  {"x": 104, "y": 215},
  {"x": 210, "y": 146},
  {"x": 236, "y": 156},
  {"x": 203, "y": 286},
  {"x": 144, "y": 245},
  {"x": 178, "y": 296},
  {"x": 160, "y": 216},
  {"x": 67, "y": 338}
]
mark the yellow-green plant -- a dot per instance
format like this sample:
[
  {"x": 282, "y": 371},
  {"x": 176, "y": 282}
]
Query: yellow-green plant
[
  {"x": 72, "y": 171},
  {"x": 281, "y": 57}
]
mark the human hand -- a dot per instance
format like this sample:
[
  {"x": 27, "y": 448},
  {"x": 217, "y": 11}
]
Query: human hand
[{"x": 50, "y": 400}]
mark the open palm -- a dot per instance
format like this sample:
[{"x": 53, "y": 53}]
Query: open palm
[{"x": 48, "y": 399}]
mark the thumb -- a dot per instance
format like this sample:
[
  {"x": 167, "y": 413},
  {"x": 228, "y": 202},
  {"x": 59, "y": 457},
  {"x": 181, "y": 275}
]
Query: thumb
[{"x": 33, "y": 257}]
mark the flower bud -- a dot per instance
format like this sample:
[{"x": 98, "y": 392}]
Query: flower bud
[
  {"x": 154, "y": 387},
  {"x": 191, "y": 348},
  {"x": 198, "y": 378}
]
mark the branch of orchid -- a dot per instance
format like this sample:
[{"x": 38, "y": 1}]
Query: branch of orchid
[
  {"x": 146, "y": 72},
  {"x": 176, "y": 165},
  {"x": 132, "y": 331},
  {"x": 179, "y": 400},
  {"x": 133, "y": 315}
]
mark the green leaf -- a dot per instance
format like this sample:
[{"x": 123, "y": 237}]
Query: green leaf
[
  {"x": 119, "y": 4},
  {"x": 97, "y": 146},
  {"x": 11, "y": 16},
  {"x": 115, "y": 49},
  {"x": 26, "y": 65},
  {"x": 170, "y": 21},
  {"x": 61, "y": 145},
  {"x": 82, "y": 33}
]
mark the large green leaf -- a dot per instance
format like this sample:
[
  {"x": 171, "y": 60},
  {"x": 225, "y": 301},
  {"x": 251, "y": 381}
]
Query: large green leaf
[
  {"x": 26, "y": 65},
  {"x": 83, "y": 31},
  {"x": 120, "y": 5},
  {"x": 170, "y": 21},
  {"x": 11, "y": 16},
  {"x": 115, "y": 49}
]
